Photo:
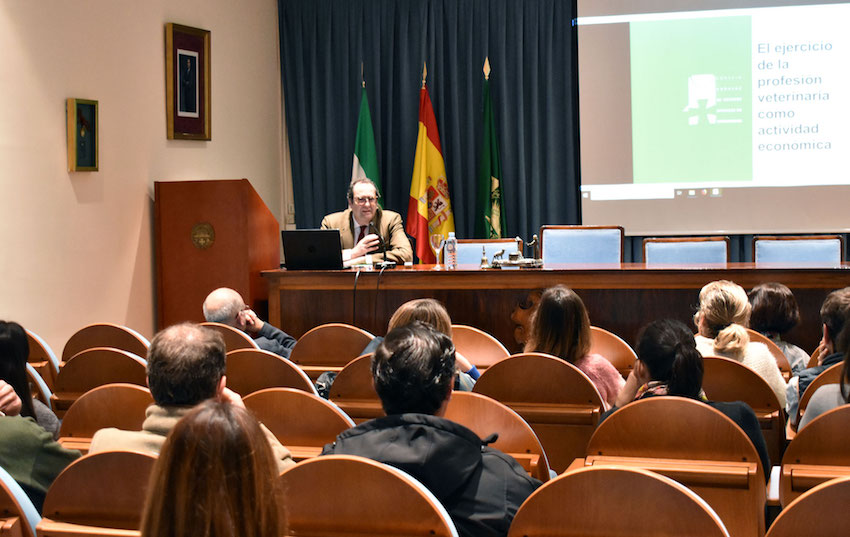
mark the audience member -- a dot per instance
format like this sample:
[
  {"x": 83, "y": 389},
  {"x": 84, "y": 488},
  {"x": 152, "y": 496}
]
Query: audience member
[
  {"x": 186, "y": 365},
  {"x": 560, "y": 327},
  {"x": 829, "y": 396},
  {"x": 412, "y": 371},
  {"x": 14, "y": 353},
  {"x": 834, "y": 314},
  {"x": 215, "y": 477},
  {"x": 670, "y": 364},
  {"x": 723, "y": 314},
  {"x": 775, "y": 313},
  {"x": 225, "y": 306},
  {"x": 28, "y": 452}
]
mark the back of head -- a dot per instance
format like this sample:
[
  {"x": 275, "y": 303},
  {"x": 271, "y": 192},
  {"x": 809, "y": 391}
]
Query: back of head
[
  {"x": 834, "y": 314},
  {"x": 215, "y": 476},
  {"x": 413, "y": 369},
  {"x": 426, "y": 310},
  {"x": 560, "y": 325},
  {"x": 774, "y": 309},
  {"x": 14, "y": 353},
  {"x": 223, "y": 306},
  {"x": 185, "y": 364},
  {"x": 725, "y": 310},
  {"x": 668, "y": 350}
]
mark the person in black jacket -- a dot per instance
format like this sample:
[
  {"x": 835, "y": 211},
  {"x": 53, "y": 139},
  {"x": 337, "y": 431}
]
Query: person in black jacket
[
  {"x": 413, "y": 371},
  {"x": 669, "y": 364}
]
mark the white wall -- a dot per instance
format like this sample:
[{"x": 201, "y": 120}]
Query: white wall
[{"x": 77, "y": 248}]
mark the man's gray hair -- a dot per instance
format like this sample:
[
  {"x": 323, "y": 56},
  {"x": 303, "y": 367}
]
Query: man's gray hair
[{"x": 222, "y": 306}]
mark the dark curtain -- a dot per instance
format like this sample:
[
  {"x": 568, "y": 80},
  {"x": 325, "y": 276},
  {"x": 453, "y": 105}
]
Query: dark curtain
[{"x": 531, "y": 46}]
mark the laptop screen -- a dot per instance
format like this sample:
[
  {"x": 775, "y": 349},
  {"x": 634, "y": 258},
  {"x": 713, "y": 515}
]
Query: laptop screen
[{"x": 311, "y": 249}]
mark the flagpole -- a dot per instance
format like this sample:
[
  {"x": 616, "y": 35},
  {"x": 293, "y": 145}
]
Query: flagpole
[
  {"x": 487, "y": 68},
  {"x": 424, "y": 73}
]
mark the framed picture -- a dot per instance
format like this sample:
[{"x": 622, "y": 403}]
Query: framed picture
[
  {"x": 83, "y": 131},
  {"x": 187, "y": 82}
]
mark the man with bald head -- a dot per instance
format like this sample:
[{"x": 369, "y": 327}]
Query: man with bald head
[{"x": 224, "y": 305}]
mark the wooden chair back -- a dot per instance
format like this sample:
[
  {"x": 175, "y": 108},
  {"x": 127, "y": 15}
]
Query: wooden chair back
[
  {"x": 557, "y": 400},
  {"x": 104, "y": 490},
  {"x": 469, "y": 251},
  {"x": 485, "y": 416},
  {"x": 830, "y": 375},
  {"x": 353, "y": 392},
  {"x": 698, "y": 251},
  {"x": 581, "y": 244},
  {"x": 302, "y": 421},
  {"x": 38, "y": 387},
  {"x": 329, "y": 347},
  {"x": 251, "y": 370},
  {"x": 233, "y": 337},
  {"x": 601, "y": 502},
  {"x": 614, "y": 349},
  {"x": 344, "y": 495},
  {"x": 106, "y": 335},
  {"x": 477, "y": 346},
  {"x": 775, "y": 351},
  {"x": 694, "y": 444},
  {"x": 92, "y": 368},
  {"x": 818, "y": 453},
  {"x": 814, "y": 359},
  {"x": 820, "y": 511},
  {"x": 800, "y": 250},
  {"x": 18, "y": 515},
  {"x": 42, "y": 358},
  {"x": 728, "y": 380},
  {"x": 118, "y": 405}
]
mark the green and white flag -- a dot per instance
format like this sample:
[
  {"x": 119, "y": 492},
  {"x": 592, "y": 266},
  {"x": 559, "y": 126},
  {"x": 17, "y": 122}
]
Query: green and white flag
[
  {"x": 365, "y": 163},
  {"x": 490, "y": 218}
]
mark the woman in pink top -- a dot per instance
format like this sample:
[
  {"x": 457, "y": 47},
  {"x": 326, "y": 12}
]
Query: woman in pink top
[{"x": 560, "y": 327}]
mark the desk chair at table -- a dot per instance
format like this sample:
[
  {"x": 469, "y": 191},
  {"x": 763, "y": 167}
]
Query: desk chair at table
[
  {"x": 686, "y": 251},
  {"x": 799, "y": 249},
  {"x": 581, "y": 244}
]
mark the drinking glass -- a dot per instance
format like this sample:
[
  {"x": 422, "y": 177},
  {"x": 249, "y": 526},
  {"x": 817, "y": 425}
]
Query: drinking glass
[{"x": 438, "y": 240}]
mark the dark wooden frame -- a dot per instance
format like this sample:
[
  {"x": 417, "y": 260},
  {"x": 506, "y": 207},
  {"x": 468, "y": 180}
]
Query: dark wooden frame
[{"x": 196, "y": 41}]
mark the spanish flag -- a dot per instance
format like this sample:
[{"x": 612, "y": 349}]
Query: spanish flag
[{"x": 429, "y": 210}]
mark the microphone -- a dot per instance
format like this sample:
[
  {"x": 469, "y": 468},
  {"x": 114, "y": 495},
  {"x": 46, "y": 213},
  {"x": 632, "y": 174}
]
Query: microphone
[{"x": 383, "y": 247}]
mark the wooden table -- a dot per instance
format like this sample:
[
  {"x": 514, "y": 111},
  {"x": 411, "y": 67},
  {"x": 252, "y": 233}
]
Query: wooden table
[{"x": 620, "y": 298}]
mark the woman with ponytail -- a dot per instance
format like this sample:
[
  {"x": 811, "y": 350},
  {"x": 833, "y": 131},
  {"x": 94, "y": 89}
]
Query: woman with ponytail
[
  {"x": 724, "y": 312},
  {"x": 669, "y": 364}
]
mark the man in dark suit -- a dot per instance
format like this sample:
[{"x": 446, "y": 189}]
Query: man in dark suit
[{"x": 366, "y": 229}]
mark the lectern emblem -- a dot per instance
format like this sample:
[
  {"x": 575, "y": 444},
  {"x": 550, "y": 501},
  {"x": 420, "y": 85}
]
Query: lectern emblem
[{"x": 203, "y": 235}]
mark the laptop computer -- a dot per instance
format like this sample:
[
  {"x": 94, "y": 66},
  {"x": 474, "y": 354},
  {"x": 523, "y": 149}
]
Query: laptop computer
[{"x": 311, "y": 249}]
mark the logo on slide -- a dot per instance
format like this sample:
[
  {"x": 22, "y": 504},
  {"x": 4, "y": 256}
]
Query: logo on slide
[{"x": 703, "y": 99}]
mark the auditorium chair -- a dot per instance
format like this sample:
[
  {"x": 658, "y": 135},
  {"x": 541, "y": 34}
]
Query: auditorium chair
[
  {"x": 353, "y": 392},
  {"x": 469, "y": 250},
  {"x": 581, "y": 244},
  {"x": 329, "y": 347},
  {"x": 605, "y": 502},
  {"x": 38, "y": 387},
  {"x": 728, "y": 380},
  {"x": 101, "y": 494},
  {"x": 42, "y": 358},
  {"x": 92, "y": 368},
  {"x": 816, "y": 454},
  {"x": 18, "y": 516},
  {"x": 345, "y": 495},
  {"x": 694, "y": 444},
  {"x": 830, "y": 375},
  {"x": 477, "y": 346},
  {"x": 799, "y": 250},
  {"x": 118, "y": 405},
  {"x": 302, "y": 421},
  {"x": 557, "y": 400},
  {"x": 775, "y": 351},
  {"x": 106, "y": 335},
  {"x": 686, "y": 250},
  {"x": 485, "y": 416},
  {"x": 614, "y": 349},
  {"x": 820, "y": 511},
  {"x": 233, "y": 337},
  {"x": 251, "y": 370}
]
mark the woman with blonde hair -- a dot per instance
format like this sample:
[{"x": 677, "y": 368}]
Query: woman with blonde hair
[
  {"x": 721, "y": 320},
  {"x": 215, "y": 477},
  {"x": 560, "y": 326}
]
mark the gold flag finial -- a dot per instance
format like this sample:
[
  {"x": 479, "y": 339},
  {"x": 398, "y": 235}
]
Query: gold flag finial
[
  {"x": 424, "y": 73},
  {"x": 487, "y": 68},
  {"x": 362, "y": 78}
]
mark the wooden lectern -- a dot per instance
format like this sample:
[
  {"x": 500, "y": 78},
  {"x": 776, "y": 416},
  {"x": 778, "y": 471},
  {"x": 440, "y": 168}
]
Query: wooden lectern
[{"x": 211, "y": 234}]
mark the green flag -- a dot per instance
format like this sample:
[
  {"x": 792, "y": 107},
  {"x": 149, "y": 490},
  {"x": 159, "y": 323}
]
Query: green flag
[
  {"x": 490, "y": 219},
  {"x": 365, "y": 163}
]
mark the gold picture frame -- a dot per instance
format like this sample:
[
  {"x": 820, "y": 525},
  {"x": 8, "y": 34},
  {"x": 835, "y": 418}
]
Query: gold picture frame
[
  {"x": 82, "y": 121},
  {"x": 187, "y": 83}
]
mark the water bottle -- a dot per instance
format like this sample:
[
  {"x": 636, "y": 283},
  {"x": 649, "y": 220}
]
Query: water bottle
[{"x": 451, "y": 251}]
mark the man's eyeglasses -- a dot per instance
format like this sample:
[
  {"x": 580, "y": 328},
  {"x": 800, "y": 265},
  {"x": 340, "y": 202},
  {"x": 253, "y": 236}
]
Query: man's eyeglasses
[{"x": 365, "y": 200}]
